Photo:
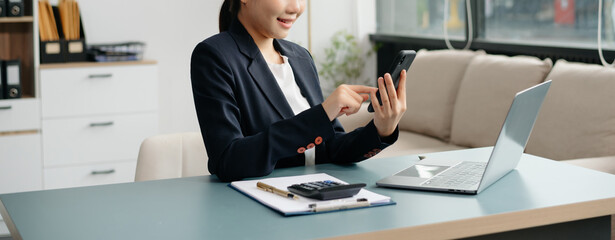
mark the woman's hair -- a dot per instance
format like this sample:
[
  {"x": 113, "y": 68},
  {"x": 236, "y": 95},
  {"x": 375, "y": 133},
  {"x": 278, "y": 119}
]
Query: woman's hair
[{"x": 228, "y": 12}]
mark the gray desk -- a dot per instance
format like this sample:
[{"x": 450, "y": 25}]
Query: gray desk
[{"x": 540, "y": 192}]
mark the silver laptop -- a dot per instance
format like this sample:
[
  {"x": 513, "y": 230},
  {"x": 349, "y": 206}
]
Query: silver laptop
[{"x": 472, "y": 177}]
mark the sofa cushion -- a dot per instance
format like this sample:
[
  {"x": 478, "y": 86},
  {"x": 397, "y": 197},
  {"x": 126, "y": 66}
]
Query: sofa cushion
[
  {"x": 410, "y": 143},
  {"x": 577, "y": 119},
  {"x": 486, "y": 92},
  {"x": 603, "y": 164},
  {"x": 433, "y": 81}
]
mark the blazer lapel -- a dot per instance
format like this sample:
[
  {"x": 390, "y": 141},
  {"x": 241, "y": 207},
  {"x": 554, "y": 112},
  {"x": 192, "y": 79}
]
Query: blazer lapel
[
  {"x": 303, "y": 72},
  {"x": 259, "y": 70},
  {"x": 305, "y": 81},
  {"x": 269, "y": 86}
]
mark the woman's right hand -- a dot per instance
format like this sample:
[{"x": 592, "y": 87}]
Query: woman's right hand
[{"x": 346, "y": 100}]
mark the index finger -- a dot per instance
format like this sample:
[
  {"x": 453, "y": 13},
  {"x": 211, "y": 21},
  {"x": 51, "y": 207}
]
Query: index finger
[
  {"x": 401, "y": 88},
  {"x": 361, "y": 88}
]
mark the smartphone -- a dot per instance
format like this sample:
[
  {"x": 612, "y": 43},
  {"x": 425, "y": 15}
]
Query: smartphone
[{"x": 402, "y": 61}]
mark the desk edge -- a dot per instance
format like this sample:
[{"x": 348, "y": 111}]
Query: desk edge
[
  {"x": 497, "y": 223},
  {"x": 9, "y": 222}
]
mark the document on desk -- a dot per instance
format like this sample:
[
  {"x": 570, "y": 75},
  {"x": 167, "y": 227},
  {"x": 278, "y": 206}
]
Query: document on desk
[{"x": 303, "y": 205}]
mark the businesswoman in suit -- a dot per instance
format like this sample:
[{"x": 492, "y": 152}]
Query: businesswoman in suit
[{"x": 259, "y": 103}]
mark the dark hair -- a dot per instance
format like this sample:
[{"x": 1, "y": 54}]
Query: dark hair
[{"x": 228, "y": 13}]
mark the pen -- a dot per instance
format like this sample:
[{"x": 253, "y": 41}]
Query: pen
[
  {"x": 422, "y": 157},
  {"x": 271, "y": 189},
  {"x": 338, "y": 205}
]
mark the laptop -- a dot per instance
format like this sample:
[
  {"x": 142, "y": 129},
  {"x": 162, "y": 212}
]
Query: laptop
[{"x": 471, "y": 177}]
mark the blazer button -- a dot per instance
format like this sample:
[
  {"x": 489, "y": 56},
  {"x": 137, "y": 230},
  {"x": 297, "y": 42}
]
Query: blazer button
[
  {"x": 310, "y": 146},
  {"x": 301, "y": 150},
  {"x": 318, "y": 140}
]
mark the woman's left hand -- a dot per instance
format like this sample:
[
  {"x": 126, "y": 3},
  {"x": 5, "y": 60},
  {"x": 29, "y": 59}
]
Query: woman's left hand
[{"x": 387, "y": 116}]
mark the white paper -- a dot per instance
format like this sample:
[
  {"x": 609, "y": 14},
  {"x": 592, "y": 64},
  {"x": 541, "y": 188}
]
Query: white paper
[{"x": 287, "y": 205}]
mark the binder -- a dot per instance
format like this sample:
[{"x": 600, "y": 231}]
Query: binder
[
  {"x": 15, "y": 8},
  {"x": 2, "y": 8},
  {"x": 304, "y": 206},
  {"x": 2, "y": 79},
  {"x": 13, "y": 79}
]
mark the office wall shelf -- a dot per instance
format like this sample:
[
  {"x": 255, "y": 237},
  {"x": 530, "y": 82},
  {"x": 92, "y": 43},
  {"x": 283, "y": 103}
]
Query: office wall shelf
[
  {"x": 20, "y": 119},
  {"x": 18, "y": 36},
  {"x": 94, "y": 118},
  {"x": 54, "y": 136},
  {"x": 26, "y": 19}
]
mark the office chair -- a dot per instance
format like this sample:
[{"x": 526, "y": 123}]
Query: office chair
[{"x": 172, "y": 156}]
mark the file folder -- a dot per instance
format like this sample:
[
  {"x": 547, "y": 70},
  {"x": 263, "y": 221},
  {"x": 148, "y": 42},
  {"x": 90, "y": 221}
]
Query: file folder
[
  {"x": 2, "y": 78},
  {"x": 15, "y": 8},
  {"x": 13, "y": 79},
  {"x": 3, "y": 8}
]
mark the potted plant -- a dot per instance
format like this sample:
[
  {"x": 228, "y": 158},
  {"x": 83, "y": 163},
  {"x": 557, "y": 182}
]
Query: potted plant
[{"x": 344, "y": 62}]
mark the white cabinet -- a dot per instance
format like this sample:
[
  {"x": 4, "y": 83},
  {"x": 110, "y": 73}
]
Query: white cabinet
[
  {"x": 84, "y": 91},
  {"x": 92, "y": 174},
  {"x": 20, "y": 163},
  {"x": 19, "y": 115},
  {"x": 20, "y": 145},
  {"x": 94, "y": 118},
  {"x": 95, "y": 139}
]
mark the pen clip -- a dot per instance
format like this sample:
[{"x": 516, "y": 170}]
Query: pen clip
[
  {"x": 268, "y": 188},
  {"x": 338, "y": 205}
]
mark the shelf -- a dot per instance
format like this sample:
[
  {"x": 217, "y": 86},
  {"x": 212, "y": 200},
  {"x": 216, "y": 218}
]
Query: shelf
[
  {"x": 26, "y": 19},
  {"x": 24, "y": 96},
  {"x": 94, "y": 64},
  {"x": 17, "y": 42}
]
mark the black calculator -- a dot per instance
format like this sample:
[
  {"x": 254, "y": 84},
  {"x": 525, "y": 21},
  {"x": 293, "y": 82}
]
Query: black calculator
[{"x": 326, "y": 190}]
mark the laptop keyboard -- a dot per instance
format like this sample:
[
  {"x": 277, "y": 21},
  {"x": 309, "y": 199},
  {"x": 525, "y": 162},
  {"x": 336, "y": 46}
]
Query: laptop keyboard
[{"x": 461, "y": 176}]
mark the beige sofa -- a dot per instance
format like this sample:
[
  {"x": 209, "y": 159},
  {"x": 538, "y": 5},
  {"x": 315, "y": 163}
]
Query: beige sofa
[{"x": 459, "y": 99}]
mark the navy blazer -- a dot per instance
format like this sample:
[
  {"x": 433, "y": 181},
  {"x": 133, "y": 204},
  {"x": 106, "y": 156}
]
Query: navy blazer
[{"x": 248, "y": 126}]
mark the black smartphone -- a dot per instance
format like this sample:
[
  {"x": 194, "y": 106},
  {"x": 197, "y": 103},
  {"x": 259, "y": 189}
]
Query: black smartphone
[{"x": 402, "y": 61}]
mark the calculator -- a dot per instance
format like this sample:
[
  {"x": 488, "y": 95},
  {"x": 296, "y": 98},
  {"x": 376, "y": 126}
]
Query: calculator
[{"x": 326, "y": 190}]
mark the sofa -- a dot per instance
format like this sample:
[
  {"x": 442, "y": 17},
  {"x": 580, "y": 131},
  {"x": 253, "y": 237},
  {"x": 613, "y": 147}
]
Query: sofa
[{"x": 459, "y": 99}]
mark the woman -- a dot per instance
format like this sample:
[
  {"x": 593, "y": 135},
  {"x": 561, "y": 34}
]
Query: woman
[{"x": 259, "y": 103}]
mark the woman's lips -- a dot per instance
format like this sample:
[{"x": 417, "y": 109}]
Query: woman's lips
[{"x": 286, "y": 23}]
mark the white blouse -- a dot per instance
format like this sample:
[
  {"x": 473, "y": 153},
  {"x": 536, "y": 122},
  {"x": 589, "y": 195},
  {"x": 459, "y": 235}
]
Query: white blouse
[{"x": 283, "y": 74}]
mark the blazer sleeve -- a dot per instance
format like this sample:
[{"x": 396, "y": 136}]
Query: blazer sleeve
[
  {"x": 358, "y": 145},
  {"x": 232, "y": 155}
]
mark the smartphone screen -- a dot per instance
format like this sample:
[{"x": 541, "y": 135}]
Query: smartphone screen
[{"x": 402, "y": 61}]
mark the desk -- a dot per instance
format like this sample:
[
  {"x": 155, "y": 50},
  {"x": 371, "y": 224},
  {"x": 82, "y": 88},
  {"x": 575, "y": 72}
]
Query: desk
[{"x": 539, "y": 192}]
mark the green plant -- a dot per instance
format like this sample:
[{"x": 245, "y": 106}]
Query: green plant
[{"x": 344, "y": 61}]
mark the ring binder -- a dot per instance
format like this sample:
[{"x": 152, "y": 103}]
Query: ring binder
[
  {"x": 2, "y": 78},
  {"x": 2, "y": 8},
  {"x": 15, "y": 8},
  {"x": 13, "y": 79}
]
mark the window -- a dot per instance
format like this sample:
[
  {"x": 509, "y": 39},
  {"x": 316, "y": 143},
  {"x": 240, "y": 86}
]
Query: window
[
  {"x": 420, "y": 18},
  {"x": 555, "y": 23},
  {"x": 548, "y": 22}
]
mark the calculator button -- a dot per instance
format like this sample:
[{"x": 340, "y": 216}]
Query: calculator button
[{"x": 326, "y": 190}]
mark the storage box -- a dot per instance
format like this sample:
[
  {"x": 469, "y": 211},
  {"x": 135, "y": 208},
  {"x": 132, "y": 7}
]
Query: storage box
[
  {"x": 63, "y": 50},
  {"x": 76, "y": 50},
  {"x": 53, "y": 51}
]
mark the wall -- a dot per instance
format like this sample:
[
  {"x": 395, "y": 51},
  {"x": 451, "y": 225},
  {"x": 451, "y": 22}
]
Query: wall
[{"x": 172, "y": 30}]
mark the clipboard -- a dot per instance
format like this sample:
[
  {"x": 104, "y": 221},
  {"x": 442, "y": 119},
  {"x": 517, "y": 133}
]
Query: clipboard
[{"x": 306, "y": 206}]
